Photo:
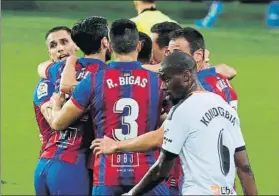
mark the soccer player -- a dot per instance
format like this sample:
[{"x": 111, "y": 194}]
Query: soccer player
[
  {"x": 125, "y": 103},
  {"x": 204, "y": 131},
  {"x": 59, "y": 45},
  {"x": 67, "y": 151},
  {"x": 148, "y": 15},
  {"x": 195, "y": 47},
  {"x": 146, "y": 49},
  {"x": 160, "y": 39},
  {"x": 191, "y": 42}
]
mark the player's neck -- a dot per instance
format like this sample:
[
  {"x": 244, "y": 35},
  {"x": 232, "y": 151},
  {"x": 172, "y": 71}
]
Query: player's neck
[
  {"x": 145, "y": 6},
  {"x": 127, "y": 57},
  {"x": 99, "y": 56}
]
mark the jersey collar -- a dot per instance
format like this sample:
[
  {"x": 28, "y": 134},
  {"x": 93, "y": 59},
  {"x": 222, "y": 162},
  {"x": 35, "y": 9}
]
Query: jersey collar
[
  {"x": 149, "y": 9},
  {"x": 125, "y": 65}
]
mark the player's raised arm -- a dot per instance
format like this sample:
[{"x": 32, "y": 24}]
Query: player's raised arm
[
  {"x": 62, "y": 117},
  {"x": 68, "y": 76},
  {"x": 143, "y": 143}
]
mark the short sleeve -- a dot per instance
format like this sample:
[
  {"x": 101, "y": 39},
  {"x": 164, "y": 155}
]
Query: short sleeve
[
  {"x": 238, "y": 138},
  {"x": 175, "y": 131},
  {"x": 52, "y": 72},
  {"x": 82, "y": 93},
  {"x": 43, "y": 92}
]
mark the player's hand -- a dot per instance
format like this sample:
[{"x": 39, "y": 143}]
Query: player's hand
[
  {"x": 105, "y": 145},
  {"x": 58, "y": 99},
  {"x": 41, "y": 138}
]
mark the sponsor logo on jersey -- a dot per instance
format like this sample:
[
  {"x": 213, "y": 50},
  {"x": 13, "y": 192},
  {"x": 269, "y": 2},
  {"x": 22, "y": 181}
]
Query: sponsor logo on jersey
[
  {"x": 42, "y": 90},
  {"x": 221, "y": 190}
]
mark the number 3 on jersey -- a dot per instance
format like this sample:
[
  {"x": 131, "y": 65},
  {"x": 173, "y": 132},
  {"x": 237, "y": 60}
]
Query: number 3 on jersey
[{"x": 129, "y": 120}]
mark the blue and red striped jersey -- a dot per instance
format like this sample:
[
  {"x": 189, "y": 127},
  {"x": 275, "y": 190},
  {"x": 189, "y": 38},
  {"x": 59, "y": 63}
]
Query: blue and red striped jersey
[
  {"x": 66, "y": 145},
  {"x": 42, "y": 94},
  {"x": 126, "y": 102},
  {"x": 218, "y": 84}
]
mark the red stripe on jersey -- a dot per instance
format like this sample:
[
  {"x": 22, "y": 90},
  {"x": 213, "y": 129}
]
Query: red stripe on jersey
[
  {"x": 111, "y": 94},
  {"x": 45, "y": 129},
  {"x": 141, "y": 95},
  {"x": 213, "y": 82},
  {"x": 231, "y": 89}
]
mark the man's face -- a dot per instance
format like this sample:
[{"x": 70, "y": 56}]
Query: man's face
[
  {"x": 60, "y": 45},
  {"x": 158, "y": 53},
  {"x": 183, "y": 45},
  {"x": 175, "y": 85},
  {"x": 179, "y": 44}
]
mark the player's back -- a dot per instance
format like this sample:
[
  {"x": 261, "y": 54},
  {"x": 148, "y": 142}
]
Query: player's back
[
  {"x": 42, "y": 94},
  {"x": 218, "y": 84},
  {"x": 208, "y": 153},
  {"x": 147, "y": 19},
  {"x": 68, "y": 144},
  {"x": 127, "y": 103}
]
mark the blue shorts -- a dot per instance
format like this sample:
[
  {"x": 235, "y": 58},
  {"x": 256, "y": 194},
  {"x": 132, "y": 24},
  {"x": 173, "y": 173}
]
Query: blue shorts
[
  {"x": 161, "y": 190},
  {"x": 54, "y": 177},
  {"x": 174, "y": 191}
]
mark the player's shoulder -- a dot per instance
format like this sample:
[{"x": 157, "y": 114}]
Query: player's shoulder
[{"x": 44, "y": 88}]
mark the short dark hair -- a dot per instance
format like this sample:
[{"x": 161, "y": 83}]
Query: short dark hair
[
  {"x": 58, "y": 28},
  {"x": 194, "y": 37},
  {"x": 146, "y": 48},
  {"x": 163, "y": 30},
  {"x": 177, "y": 62},
  {"x": 88, "y": 33},
  {"x": 124, "y": 36}
]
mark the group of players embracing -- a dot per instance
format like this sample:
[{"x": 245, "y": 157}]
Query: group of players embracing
[{"x": 120, "y": 126}]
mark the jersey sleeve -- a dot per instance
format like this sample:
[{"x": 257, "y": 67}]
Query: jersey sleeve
[
  {"x": 82, "y": 93},
  {"x": 175, "y": 131},
  {"x": 43, "y": 92},
  {"x": 52, "y": 71},
  {"x": 238, "y": 138}
]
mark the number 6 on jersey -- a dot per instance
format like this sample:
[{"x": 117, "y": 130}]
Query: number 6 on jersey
[{"x": 129, "y": 120}]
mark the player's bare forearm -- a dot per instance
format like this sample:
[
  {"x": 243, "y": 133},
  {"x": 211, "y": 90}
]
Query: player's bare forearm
[
  {"x": 143, "y": 143},
  {"x": 68, "y": 76},
  {"x": 63, "y": 117},
  {"x": 156, "y": 174},
  {"x": 226, "y": 71},
  {"x": 42, "y": 67},
  {"x": 46, "y": 109},
  {"x": 245, "y": 173}
]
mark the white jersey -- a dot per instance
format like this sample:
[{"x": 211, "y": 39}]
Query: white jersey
[{"x": 205, "y": 132}]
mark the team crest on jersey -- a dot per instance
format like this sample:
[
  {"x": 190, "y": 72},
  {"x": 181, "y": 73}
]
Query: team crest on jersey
[{"x": 42, "y": 90}]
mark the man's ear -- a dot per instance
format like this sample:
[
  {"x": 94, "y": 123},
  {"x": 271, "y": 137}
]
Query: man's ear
[
  {"x": 166, "y": 51},
  {"x": 105, "y": 43},
  {"x": 139, "y": 46},
  {"x": 199, "y": 58},
  {"x": 49, "y": 55},
  {"x": 186, "y": 76}
]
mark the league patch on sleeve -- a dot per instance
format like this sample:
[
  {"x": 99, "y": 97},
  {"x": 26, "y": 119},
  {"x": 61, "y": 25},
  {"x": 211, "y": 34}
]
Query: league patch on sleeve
[{"x": 42, "y": 90}]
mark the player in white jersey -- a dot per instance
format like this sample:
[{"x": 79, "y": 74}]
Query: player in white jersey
[{"x": 204, "y": 131}]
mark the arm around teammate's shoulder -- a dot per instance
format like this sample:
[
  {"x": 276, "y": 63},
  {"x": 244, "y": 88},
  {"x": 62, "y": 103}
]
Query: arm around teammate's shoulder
[
  {"x": 42, "y": 68},
  {"x": 225, "y": 70}
]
